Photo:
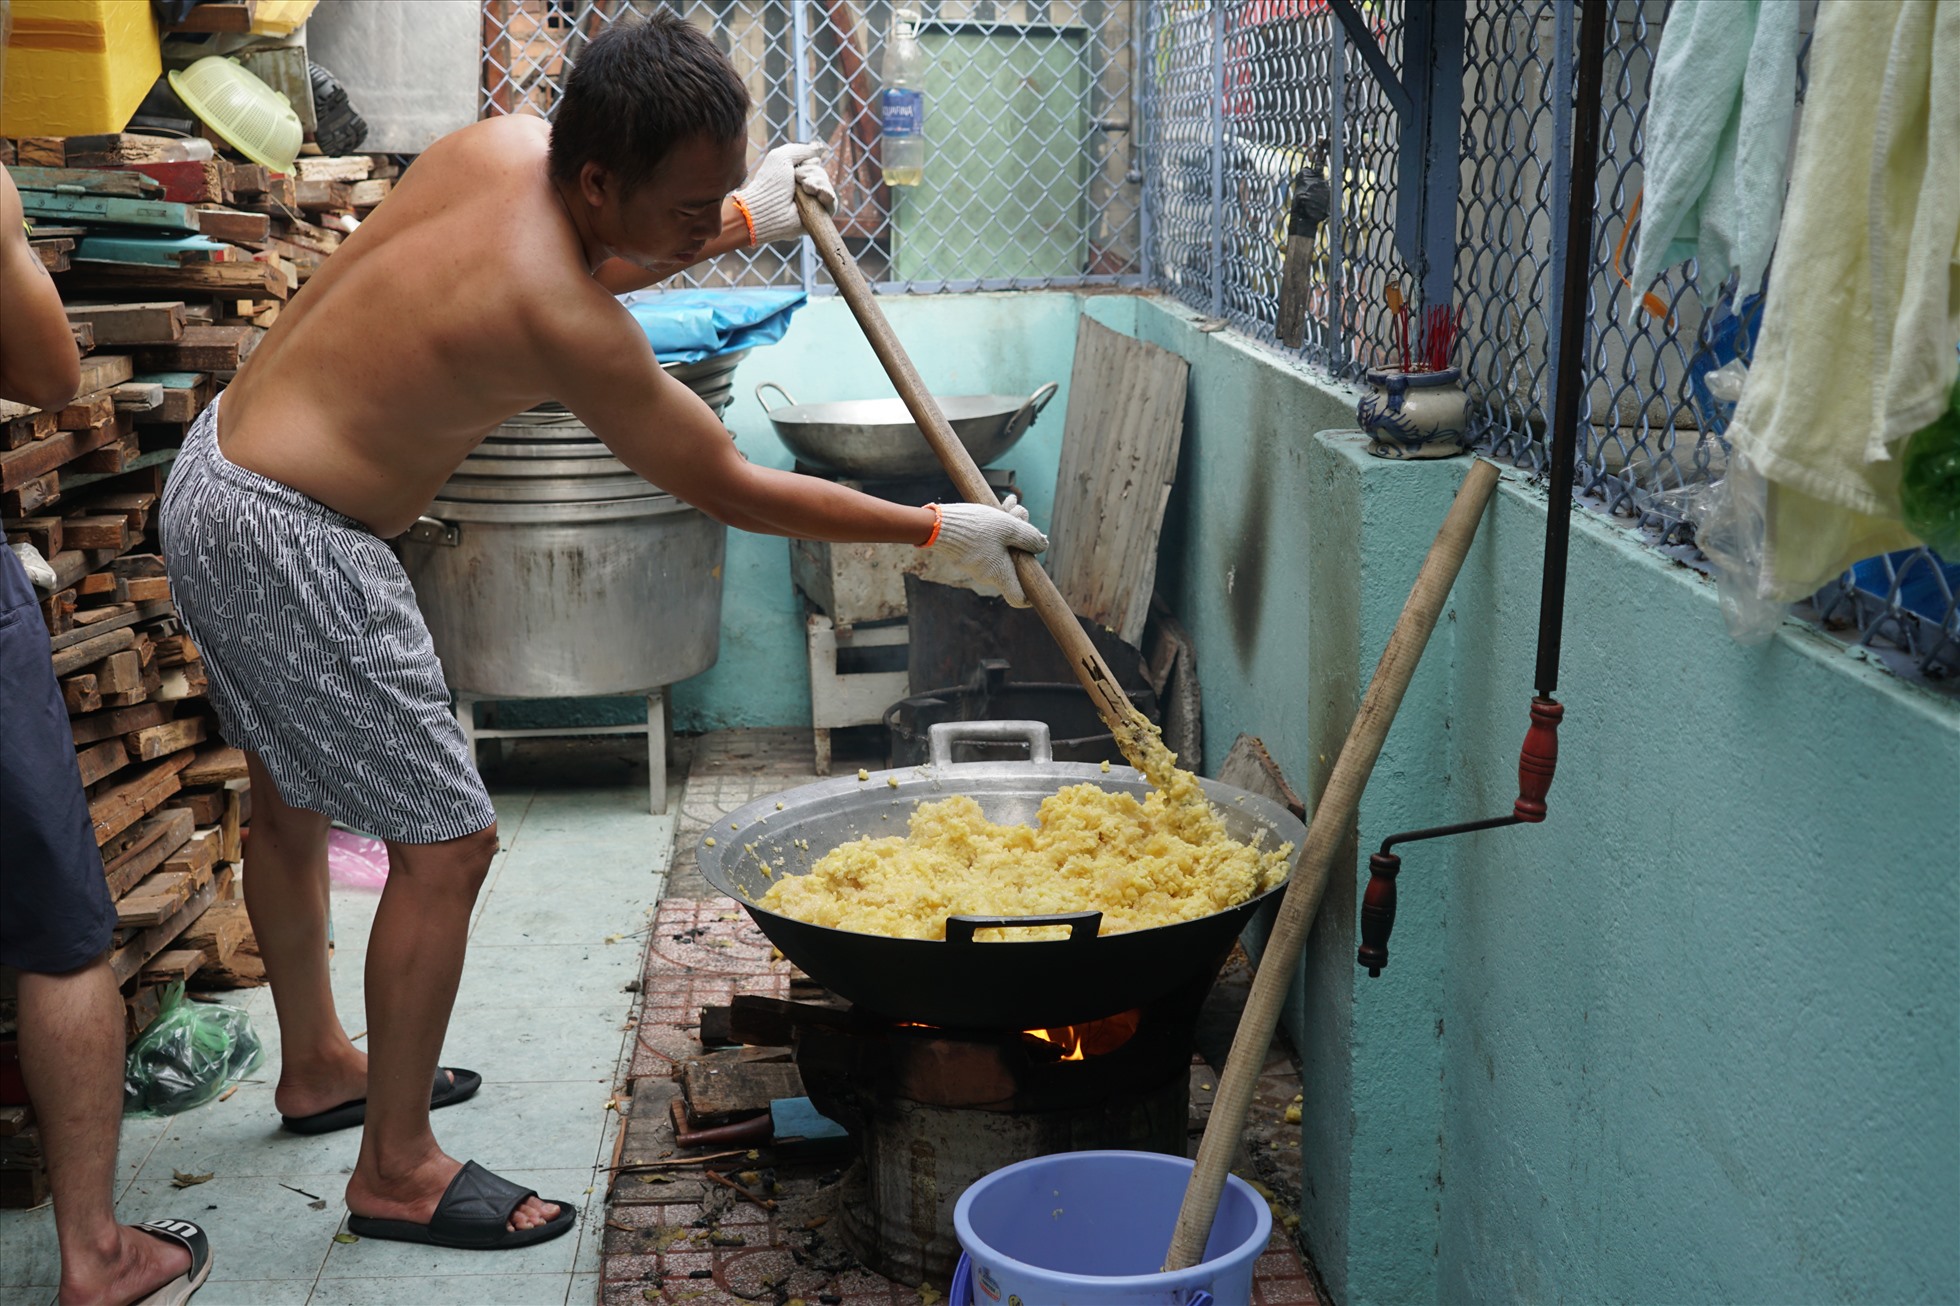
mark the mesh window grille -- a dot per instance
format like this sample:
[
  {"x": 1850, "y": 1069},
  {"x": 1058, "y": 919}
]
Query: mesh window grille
[
  {"x": 1132, "y": 142},
  {"x": 1236, "y": 92},
  {"x": 1031, "y": 111}
]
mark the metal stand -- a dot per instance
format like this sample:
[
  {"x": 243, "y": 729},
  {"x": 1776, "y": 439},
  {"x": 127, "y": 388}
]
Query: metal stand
[{"x": 655, "y": 729}]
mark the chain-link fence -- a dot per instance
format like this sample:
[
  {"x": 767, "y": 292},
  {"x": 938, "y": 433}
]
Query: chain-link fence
[
  {"x": 1031, "y": 110},
  {"x": 1237, "y": 93}
]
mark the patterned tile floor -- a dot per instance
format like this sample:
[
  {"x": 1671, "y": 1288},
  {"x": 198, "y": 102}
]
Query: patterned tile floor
[{"x": 672, "y": 1236}]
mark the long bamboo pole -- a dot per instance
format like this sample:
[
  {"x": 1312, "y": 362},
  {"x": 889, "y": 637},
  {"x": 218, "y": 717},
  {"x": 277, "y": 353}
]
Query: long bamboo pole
[
  {"x": 1331, "y": 817},
  {"x": 1110, "y": 702}
]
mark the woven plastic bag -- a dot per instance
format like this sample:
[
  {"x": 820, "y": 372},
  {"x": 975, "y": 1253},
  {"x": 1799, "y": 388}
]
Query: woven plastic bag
[{"x": 188, "y": 1055}]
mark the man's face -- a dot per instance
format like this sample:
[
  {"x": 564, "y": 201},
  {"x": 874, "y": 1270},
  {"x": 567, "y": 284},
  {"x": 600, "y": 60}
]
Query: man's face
[{"x": 664, "y": 222}]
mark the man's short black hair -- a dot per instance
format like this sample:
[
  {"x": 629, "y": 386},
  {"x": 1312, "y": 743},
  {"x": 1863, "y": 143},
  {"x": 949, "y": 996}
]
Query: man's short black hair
[{"x": 639, "y": 89}]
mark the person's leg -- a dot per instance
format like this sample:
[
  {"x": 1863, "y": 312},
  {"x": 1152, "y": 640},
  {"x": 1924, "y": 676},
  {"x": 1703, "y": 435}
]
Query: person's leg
[
  {"x": 71, "y": 1055},
  {"x": 414, "y": 962},
  {"x": 286, "y": 897}
]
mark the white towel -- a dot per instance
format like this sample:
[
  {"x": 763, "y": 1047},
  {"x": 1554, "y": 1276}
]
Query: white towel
[
  {"x": 1863, "y": 310},
  {"x": 1718, "y": 139}
]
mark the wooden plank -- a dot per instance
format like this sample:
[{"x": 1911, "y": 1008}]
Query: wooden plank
[
  {"x": 185, "y": 394},
  {"x": 113, "y": 210},
  {"x": 118, "y": 721},
  {"x": 91, "y": 650},
  {"x": 231, "y": 829},
  {"x": 19, "y": 466},
  {"x": 91, "y": 181},
  {"x": 231, "y": 225},
  {"x": 346, "y": 167},
  {"x": 83, "y": 562},
  {"x": 244, "y": 969},
  {"x": 189, "y": 181},
  {"x": 155, "y": 742},
  {"x": 125, "y": 961},
  {"x": 41, "y": 151},
  {"x": 215, "y": 764},
  {"x": 114, "y": 456},
  {"x": 198, "y": 855},
  {"x": 81, "y": 693},
  {"x": 1119, "y": 457},
  {"x": 86, "y": 410},
  {"x": 148, "y": 590},
  {"x": 243, "y": 277},
  {"x": 54, "y": 255},
  {"x": 97, "y": 532},
  {"x": 203, "y": 348},
  {"x": 100, "y": 760},
  {"x": 104, "y": 371},
  {"x": 132, "y": 397},
  {"x": 120, "y": 672},
  {"x": 15, "y": 1119},
  {"x": 324, "y": 196},
  {"x": 124, "y": 804},
  {"x": 721, "y": 1088},
  {"x": 44, "y": 533},
  {"x": 157, "y": 322},
  {"x": 219, "y": 932},
  {"x": 171, "y": 965},
  {"x": 157, "y": 839},
  {"x": 37, "y": 425},
  {"x": 206, "y": 806},
  {"x": 174, "y": 650},
  {"x": 367, "y": 194}
]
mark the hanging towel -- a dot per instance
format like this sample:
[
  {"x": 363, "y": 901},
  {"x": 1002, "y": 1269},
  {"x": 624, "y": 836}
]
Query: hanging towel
[
  {"x": 1863, "y": 309},
  {"x": 1718, "y": 139}
]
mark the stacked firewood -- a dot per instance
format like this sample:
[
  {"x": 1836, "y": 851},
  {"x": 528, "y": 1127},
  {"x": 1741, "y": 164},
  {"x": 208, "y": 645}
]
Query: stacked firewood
[{"x": 171, "y": 272}]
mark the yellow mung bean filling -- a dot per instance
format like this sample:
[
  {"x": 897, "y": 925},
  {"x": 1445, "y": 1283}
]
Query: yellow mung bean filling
[{"x": 1142, "y": 863}]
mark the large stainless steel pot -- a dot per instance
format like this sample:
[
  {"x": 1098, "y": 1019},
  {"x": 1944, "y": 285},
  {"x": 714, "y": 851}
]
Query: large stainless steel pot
[
  {"x": 547, "y": 600},
  {"x": 876, "y": 439},
  {"x": 958, "y": 982}
]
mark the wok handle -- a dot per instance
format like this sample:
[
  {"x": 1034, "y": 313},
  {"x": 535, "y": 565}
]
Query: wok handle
[
  {"x": 1034, "y": 734},
  {"x": 1024, "y": 415},
  {"x": 771, "y": 385},
  {"x": 1082, "y": 925}
]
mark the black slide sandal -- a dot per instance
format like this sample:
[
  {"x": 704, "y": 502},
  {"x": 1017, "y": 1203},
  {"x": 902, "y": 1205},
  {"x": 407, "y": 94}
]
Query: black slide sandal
[
  {"x": 473, "y": 1215},
  {"x": 191, "y": 1239},
  {"x": 351, "y": 1115}
]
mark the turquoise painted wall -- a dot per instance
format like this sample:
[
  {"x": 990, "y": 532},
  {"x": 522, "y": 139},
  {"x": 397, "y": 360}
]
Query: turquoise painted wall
[
  {"x": 1694, "y": 1038},
  {"x": 961, "y": 344}
]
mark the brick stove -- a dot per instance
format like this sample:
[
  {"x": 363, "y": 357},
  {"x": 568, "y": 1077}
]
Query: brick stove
[{"x": 932, "y": 1110}]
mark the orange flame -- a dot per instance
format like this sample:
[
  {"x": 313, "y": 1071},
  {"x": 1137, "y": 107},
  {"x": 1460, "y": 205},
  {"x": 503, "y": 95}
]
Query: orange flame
[{"x": 1093, "y": 1039}]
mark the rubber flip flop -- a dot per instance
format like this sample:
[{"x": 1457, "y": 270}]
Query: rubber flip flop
[
  {"x": 473, "y": 1215},
  {"x": 351, "y": 1115},
  {"x": 191, "y": 1239}
]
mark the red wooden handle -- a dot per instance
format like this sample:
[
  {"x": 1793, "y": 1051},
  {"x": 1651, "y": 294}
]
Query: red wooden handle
[{"x": 1538, "y": 760}]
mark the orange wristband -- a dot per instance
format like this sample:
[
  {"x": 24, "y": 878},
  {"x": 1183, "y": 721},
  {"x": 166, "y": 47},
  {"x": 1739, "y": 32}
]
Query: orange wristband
[
  {"x": 748, "y": 220},
  {"x": 938, "y": 520}
]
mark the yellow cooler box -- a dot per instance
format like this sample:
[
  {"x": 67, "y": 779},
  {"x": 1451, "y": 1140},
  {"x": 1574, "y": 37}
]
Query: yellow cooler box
[{"x": 77, "y": 67}]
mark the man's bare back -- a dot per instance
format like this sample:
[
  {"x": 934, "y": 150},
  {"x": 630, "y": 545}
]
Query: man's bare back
[{"x": 427, "y": 328}]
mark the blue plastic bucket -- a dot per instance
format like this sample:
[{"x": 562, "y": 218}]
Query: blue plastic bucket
[{"x": 1091, "y": 1229}]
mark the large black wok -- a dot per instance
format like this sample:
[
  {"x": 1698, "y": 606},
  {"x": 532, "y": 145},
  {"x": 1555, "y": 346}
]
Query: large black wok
[{"x": 959, "y": 982}]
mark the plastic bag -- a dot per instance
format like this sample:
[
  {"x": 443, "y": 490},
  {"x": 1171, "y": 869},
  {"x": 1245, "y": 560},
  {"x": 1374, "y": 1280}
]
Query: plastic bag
[
  {"x": 1729, "y": 516},
  {"x": 188, "y": 1055},
  {"x": 356, "y": 861}
]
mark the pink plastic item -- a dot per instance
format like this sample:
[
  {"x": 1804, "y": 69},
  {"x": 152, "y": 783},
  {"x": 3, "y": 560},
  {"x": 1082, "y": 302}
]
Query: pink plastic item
[{"x": 354, "y": 861}]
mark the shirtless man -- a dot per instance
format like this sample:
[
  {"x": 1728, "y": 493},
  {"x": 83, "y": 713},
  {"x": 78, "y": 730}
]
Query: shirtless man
[{"x": 483, "y": 287}]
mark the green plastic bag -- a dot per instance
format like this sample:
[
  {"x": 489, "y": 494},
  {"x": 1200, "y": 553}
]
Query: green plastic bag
[{"x": 188, "y": 1055}]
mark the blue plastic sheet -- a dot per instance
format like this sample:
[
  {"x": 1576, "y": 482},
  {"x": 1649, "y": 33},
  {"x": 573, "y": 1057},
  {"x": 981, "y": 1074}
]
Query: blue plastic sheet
[{"x": 686, "y": 326}]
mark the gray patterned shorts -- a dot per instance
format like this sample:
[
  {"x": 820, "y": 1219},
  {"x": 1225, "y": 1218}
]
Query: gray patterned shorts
[{"x": 318, "y": 658}]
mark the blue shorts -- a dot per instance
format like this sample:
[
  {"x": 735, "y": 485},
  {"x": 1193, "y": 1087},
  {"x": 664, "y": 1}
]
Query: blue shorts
[
  {"x": 55, "y": 912},
  {"x": 318, "y": 658}
]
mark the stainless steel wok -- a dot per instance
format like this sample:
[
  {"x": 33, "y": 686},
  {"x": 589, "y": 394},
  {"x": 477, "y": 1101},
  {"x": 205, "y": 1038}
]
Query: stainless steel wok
[
  {"x": 876, "y": 439},
  {"x": 959, "y": 982}
]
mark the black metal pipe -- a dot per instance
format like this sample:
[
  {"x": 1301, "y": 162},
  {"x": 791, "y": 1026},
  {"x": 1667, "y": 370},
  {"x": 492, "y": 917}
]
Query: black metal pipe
[
  {"x": 1539, "y": 757},
  {"x": 1573, "y": 322}
]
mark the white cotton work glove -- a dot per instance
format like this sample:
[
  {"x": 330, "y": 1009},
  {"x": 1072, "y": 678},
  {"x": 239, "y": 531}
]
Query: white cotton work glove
[
  {"x": 974, "y": 540},
  {"x": 769, "y": 197},
  {"x": 39, "y": 574}
]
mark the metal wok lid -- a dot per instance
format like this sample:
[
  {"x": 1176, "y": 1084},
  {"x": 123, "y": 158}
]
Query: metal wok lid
[{"x": 1020, "y": 985}]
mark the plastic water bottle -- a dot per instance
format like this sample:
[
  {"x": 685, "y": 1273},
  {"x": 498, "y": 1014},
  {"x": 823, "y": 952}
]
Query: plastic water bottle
[
  {"x": 1929, "y": 481},
  {"x": 902, "y": 145}
]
